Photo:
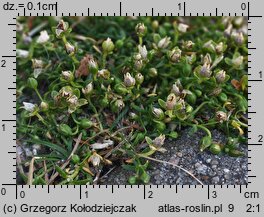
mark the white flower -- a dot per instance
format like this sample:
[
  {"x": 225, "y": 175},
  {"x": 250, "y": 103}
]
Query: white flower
[
  {"x": 73, "y": 100},
  {"x": 143, "y": 51},
  {"x": 164, "y": 42},
  {"x": 36, "y": 63},
  {"x": 159, "y": 141},
  {"x": 237, "y": 62},
  {"x": 129, "y": 80},
  {"x": 88, "y": 89},
  {"x": 183, "y": 27},
  {"x": 95, "y": 159},
  {"x": 70, "y": 49},
  {"x": 29, "y": 106},
  {"x": 67, "y": 75},
  {"x": 43, "y": 38},
  {"x": 22, "y": 53},
  {"x": 37, "y": 72}
]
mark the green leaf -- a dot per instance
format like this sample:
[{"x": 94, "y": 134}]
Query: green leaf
[
  {"x": 162, "y": 103},
  {"x": 50, "y": 145},
  {"x": 148, "y": 140},
  {"x": 82, "y": 102},
  {"x": 145, "y": 177},
  {"x": 61, "y": 172},
  {"x": 173, "y": 134},
  {"x": 205, "y": 143},
  {"x": 128, "y": 167},
  {"x": 235, "y": 153}
]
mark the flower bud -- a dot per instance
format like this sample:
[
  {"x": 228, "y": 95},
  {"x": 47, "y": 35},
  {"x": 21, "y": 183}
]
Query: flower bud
[
  {"x": 36, "y": 64},
  {"x": 73, "y": 100},
  {"x": 139, "y": 78},
  {"x": 129, "y": 81},
  {"x": 95, "y": 159},
  {"x": 207, "y": 59},
  {"x": 209, "y": 45},
  {"x": 75, "y": 158},
  {"x": 164, "y": 43},
  {"x": 119, "y": 43},
  {"x": 138, "y": 62},
  {"x": 32, "y": 83},
  {"x": 187, "y": 45},
  {"x": 220, "y": 76},
  {"x": 22, "y": 53},
  {"x": 182, "y": 27},
  {"x": 174, "y": 55},
  {"x": 228, "y": 30},
  {"x": 219, "y": 48},
  {"x": 171, "y": 101},
  {"x": 155, "y": 24},
  {"x": 88, "y": 89},
  {"x": 143, "y": 51},
  {"x": 43, "y": 38},
  {"x": 93, "y": 67},
  {"x": 67, "y": 75},
  {"x": 108, "y": 46},
  {"x": 132, "y": 180},
  {"x": 153, "y": 72},
  {"x": 86, "y": 123},
  {"x": 159, "y": 141},
  {"x": 117, "y": 105},
  {"x": 237, "y": 62},
  {"x": 141, "y": 30},
  {"x": 65, "y": 91},
  {"x": 205, "y": 71},
  {"x": 70, "y": 49},
  {"x": 158, "y": 113},
  {"x": 61, "y": 27},
  {"x": 44, "y": 106},
  {"x": 133, "y": 115},
  {"x": 65, "y": 129},
  {"x": 215, "y": 148},
  {"x": 29, "y": 106},
  {"x": 104, "y": 73},
  {"x": 221, "y": 116},
  {"x": 177, "y": 88},
  {"x": 239, "y": 38},
  {"x": 189, "y": 109}
]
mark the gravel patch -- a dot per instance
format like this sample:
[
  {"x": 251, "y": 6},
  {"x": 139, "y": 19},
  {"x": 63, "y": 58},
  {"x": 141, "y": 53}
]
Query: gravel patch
[{"x": 184, "y": 151}]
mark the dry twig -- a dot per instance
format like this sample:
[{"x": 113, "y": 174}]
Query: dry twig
[{"x": 179, "y": 167}]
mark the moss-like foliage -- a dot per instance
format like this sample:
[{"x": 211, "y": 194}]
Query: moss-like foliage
[{"x": 93, "y": 92}]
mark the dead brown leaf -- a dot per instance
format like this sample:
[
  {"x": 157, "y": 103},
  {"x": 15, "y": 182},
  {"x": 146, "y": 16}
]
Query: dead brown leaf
[{"x": 83, "y": 68}]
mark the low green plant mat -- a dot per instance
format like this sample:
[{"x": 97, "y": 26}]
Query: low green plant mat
[{"x": 94, "y": 93}]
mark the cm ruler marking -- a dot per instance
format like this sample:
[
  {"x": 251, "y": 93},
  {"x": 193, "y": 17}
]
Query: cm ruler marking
[{"x": 148, "y": 200}]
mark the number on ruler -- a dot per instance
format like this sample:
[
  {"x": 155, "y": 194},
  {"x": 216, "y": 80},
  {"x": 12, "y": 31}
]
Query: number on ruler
[
  {"x": 231, "y": 207},
  {"x": 260, "y": 74},
  {"x": 214, "y": 194},
  {"x": 179, "y": 5},
  {"x": 243, "y": 6},
  {"x": 3, "y": 63},
  {"x": 260, "y": 138},
  {"x": 3, "y": 191},
  {"x": 22, "y": 194},
  {"x": 3, "y": 127},
  {"x": 150, "y": 194},
  {"x": 86, "y": 194}
]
